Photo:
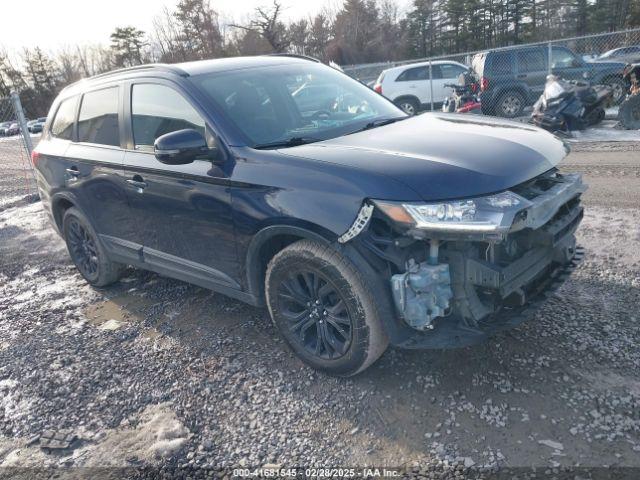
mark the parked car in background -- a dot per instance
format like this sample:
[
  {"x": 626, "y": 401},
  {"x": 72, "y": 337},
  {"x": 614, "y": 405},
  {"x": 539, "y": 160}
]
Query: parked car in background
[
  {"x": 356, "y": 225},
  {"x": 14, "y": 129},
  {"x": 630, "y": 54},
  {"x": 4, "y": 127},
  {"x": 37, "y": 125},
  {"x": 513, "y": 79},
  {"x": 409, "y": 86}
]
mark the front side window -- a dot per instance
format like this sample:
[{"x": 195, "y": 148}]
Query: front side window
[
  {"x": 159, "y": 109},
  {"x": 98, "y": 119},
  {"x": 561, "y": 58},
  {"x": 65, "y": 117},
  {"x": 303, "y": 101}
]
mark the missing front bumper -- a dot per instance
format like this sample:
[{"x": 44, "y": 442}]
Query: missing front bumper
[{"x": 456, "y": 334}]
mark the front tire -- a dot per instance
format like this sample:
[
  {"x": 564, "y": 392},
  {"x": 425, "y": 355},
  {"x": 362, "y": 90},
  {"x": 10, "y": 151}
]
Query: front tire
[
  {"x": 86, "y": 251},
  {"x": 324, "y": 309}
]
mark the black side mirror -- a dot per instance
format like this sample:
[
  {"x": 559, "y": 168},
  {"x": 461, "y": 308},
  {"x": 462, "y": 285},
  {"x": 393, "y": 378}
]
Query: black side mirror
[{"x": 180, "y": 147}]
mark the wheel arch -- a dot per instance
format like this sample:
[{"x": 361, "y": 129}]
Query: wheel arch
[
  {"x": 267, "y": 243},
  {"x": 60, "y": 203}
]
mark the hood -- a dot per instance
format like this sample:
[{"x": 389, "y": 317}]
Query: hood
[
  {"x": 444, "y": 156},
  {"x": 602, "y": 64}
]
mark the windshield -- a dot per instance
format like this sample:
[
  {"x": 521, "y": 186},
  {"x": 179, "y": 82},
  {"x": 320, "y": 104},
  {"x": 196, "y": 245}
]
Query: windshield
[{"x": 306, "y": 102}]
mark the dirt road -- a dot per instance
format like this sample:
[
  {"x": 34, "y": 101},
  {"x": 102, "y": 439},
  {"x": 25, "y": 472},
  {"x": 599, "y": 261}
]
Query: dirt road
[{"x": 156, "y": 372}]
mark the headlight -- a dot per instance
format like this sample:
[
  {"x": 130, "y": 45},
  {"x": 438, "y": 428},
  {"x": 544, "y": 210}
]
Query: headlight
[{"x": 493, "y": 213}]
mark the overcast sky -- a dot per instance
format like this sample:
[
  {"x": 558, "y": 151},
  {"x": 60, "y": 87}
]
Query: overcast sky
[{"x": 56, "y": 23}]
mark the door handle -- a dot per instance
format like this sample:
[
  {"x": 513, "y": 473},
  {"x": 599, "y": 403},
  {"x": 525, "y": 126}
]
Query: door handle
[
  {"x": 73, "y": 171},
  {"x": 137, "y": 182},
  {"x": 522, "y": 75}
]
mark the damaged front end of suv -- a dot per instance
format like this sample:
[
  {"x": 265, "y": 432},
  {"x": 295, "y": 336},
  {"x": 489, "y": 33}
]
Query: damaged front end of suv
[{"x": 462, "y": 270}]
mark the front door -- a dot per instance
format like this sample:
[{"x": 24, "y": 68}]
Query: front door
[
  {"x": 182, "y": 212},
  {"x": 566, "y": 64}
]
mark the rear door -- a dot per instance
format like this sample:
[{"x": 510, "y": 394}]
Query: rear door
[
  {"x": 93, "y": 163},
  {"x": 531, "y": 65},
  {"x": 182, "y": 212}
]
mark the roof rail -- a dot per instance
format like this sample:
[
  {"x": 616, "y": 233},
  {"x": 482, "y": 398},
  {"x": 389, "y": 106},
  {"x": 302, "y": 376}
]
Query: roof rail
[
  {"x": 294, "y": 55},
  {"x": 149, "y": 66}
]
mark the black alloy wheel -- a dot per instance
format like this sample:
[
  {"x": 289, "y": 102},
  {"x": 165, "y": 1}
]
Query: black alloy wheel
[
  {"x": 317, "y": 315},
  {"x": 83, "y": 249}
]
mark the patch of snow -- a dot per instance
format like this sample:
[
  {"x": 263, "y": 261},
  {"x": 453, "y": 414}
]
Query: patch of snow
[
  {"x": 110, "y": 325},
  {"x": 605, "y": 131}
]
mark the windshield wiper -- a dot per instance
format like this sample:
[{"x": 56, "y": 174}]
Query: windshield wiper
[
  {"x": 289, "y": 142},
  {"x": 378, "y": 123}
]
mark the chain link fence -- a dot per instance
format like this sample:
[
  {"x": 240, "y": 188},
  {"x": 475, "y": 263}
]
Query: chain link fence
[
  {"x": 17, "y": 178},
  {"x": 509, "y": 79}
]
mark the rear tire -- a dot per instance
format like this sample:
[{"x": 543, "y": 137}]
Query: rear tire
[
  {"x": 629, "y": 113},
  {"x": 409, "y": 105},
  {"x": 86, "y": 251},
  {"x": 510, "y": 105},
  {"x": 324, "y": 309}
]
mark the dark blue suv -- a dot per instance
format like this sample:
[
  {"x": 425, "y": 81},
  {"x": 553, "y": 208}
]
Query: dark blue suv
[
  {"x": 513, "y": 78},
  {"x": 282, "y": 182}
]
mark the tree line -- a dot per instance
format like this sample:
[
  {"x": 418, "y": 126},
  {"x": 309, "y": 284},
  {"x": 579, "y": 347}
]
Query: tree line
[{"x": 359, "y": 31}]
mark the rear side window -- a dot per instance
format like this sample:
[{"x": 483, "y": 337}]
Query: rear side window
[
  {"x": 98, "y": 119},
  {"x": 531, "y": 61},
  {"x": 62, "y": 126},
  {"x": 157, "y": 110},
  {"x": 502, "y": 63},
  {"x": 414, "y": 74}
]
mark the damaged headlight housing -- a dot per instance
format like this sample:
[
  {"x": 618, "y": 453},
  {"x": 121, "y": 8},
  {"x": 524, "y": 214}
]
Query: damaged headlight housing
[{"x": 475, "y": 215}]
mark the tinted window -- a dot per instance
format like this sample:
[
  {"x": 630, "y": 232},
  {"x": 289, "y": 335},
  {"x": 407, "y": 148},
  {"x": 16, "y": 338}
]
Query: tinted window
[
  {"x": 157, "y": 110},
  {"x": 502, "y": 63},
  {"x": 414, "y": 74},
  {"x": 63, "y": 123},
  {"x": 98, "y": 119},
  {"x": 531, "y": 61}
]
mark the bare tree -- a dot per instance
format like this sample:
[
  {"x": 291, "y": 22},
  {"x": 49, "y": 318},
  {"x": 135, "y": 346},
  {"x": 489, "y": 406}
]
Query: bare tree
[{"x": 268, "y": 24}]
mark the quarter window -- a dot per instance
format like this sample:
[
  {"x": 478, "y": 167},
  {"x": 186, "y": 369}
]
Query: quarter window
[
  {"x": 157, "y": 110},
  {"x": 98, "y": 119},
  {"x": 65, "y": 117}
]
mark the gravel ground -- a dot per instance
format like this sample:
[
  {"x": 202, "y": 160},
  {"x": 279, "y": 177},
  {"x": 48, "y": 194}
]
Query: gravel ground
[{"x": 155, "y": 372}]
